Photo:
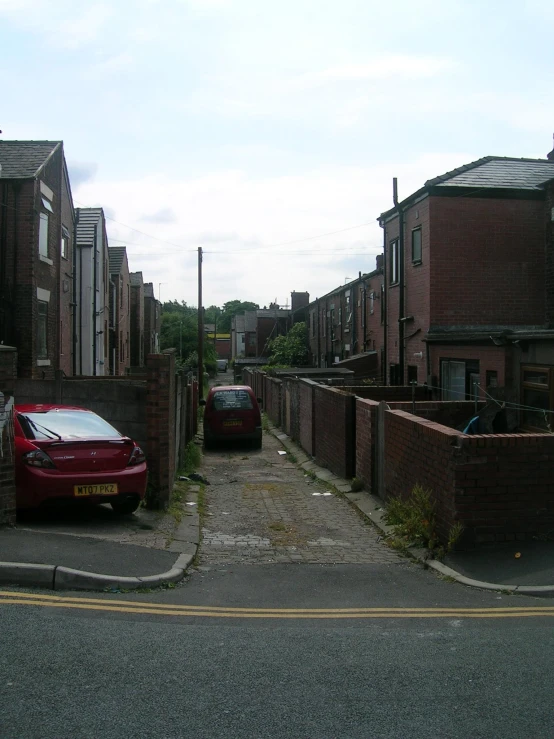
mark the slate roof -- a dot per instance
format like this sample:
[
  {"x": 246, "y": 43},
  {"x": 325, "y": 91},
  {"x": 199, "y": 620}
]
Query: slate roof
[
  {"x": 116, "y": 256},
  {"x": 488, "y": 173},
  {"x": 498, "y": 172},
  {"x": 87, "y": 220},
  {"x": 25, "y": 159}
]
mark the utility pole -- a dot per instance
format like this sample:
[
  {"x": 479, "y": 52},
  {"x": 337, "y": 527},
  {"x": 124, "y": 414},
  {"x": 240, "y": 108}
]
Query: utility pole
[{"x": 200, "y": 328}]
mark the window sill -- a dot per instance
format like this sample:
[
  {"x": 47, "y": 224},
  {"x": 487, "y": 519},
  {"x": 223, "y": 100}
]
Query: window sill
[
  {"x": 45, "y": 259},
  {"x": 394, "y": 284},
  {"x": 417, "y": 263},
  {"x": 43, "y": 363}
]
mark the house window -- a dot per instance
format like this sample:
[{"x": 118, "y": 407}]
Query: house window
[
  {"x": 42, "y": 330},
  {"x": 492, "y": 378},
  {"x": 537, "y": 398},
  {"x": 371, "y": 302},
  {"x": 393, "y": 262},
  {"x": 65, "y": 242},
  {"x": 43, "y": 235},
  {"x": 416, "y": 246},
  {"x": 459, "y": 379},
  {"x": 412, "y": 373}
]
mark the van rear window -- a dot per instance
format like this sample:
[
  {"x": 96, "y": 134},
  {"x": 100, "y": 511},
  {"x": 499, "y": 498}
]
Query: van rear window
[{"x": 232, "y": 399}]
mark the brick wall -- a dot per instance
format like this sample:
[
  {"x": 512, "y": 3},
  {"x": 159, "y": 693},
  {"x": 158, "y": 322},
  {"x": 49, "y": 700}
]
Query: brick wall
[
  {"x": 272, "y": 399},
  {"x": 8, "y": 368},
  {"x": 7, "y": 469},
  {"x": 504, "y": 488},
  {"x": 497, "y": 275},
  {"x": 160, "y": 395},
  {"x": 335, "y": 430},
  {"x": 496, "y": 358},
  {"x": 306, "y": 432},
  {"x": 366, "y": 418},
  {"x": 418, "y": 451}
]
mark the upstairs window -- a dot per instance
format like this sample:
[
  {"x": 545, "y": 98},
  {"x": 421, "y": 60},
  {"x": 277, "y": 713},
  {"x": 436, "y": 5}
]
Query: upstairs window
[
  {"x": 416, "y": 246},
  {"x": 43, "y": 235},
  {"x": 65, "y": 242},
  {"x": 394, "y": 272}
]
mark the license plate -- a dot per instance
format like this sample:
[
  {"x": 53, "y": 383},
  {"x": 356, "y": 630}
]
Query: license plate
[
  {"x": 232, "y": 423},
  {"x": 108, "y": 488}
]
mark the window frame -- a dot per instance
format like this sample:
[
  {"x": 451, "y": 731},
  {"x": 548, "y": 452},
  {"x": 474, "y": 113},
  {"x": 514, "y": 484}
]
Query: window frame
[
  {"x": 394, "y": 262},
  {"x": 546, "y": 389},
  {"x": 416, "y": 259},
  {"x": 43, "y": 231}
]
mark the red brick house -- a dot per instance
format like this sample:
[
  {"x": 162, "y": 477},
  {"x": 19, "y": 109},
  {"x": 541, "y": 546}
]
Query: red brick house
[
  {"x": 137, "y": 320},
  {"x": 465, "y": 277},
  {"x": 92, "y": 293},
  {"x": 152, "y": 321},
  {"x": 345, "y": 326},
  {"x": 36, "y": 257},
  {"x": 120, "y": 304}
]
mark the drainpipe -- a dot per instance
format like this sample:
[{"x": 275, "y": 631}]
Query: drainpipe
[
  {"x": 401, "y": 281},
  {"x": 94, "y": 303},
  {"x": 318, "y": 340},
  {"x": 74, "y": 305},
  {"x": 384, "y": 296},
  {"x": 3, "y": 253}
]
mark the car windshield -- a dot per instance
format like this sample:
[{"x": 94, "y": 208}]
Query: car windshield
[
  {"x": 232, "y": 399},
  {"x": 69, "y": 425}
]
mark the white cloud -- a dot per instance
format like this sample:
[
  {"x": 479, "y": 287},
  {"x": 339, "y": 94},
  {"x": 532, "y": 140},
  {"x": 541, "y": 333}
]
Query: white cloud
[
  {"x": 242, "y": 222},
  {"x": 109, "y": 66}
]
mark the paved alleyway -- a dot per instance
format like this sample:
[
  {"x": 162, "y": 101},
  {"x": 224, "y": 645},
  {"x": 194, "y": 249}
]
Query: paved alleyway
[{"x": 262, "y": 508}]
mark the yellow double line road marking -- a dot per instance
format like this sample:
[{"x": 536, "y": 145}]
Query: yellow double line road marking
[{"x": 161, "y": 609}]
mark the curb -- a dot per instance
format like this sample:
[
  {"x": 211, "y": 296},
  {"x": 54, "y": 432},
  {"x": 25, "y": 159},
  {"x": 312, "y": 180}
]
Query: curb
[
  {"x": 372, "y": 508},
  {"x": 58, "y": 577}
]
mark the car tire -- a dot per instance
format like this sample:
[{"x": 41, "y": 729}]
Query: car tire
[
  {"x": 125, "y": 506},
  {"x": 257, "y": 444}
]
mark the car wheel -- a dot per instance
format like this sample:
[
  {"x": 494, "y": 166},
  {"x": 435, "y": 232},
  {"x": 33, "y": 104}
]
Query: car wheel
[
  {"x": 125, "y": 506},
  {"x": 257, "y": 444}
]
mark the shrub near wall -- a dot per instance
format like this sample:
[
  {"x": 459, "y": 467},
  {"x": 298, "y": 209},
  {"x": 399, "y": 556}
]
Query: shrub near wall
[
  {"x": 418, "y": 451},
  {"x": 335, "y": 430}
]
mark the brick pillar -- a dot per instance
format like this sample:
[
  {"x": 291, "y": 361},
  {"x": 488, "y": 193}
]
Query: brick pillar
[
  {"x": 160, "y": 424},
  {"x": 8, "y": 368},
  {"x": 7, "y": 469}
]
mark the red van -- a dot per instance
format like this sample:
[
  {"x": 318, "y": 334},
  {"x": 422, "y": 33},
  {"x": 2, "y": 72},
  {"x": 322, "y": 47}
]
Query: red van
[{"x": 232, "y": 412}]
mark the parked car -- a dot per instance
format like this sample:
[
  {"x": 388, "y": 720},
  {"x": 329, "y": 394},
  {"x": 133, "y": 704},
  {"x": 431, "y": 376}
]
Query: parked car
[
  {"x": 221, "y": 365},
  {"x": 63, "y": 453},
  {"x": 232, "y": 412}
]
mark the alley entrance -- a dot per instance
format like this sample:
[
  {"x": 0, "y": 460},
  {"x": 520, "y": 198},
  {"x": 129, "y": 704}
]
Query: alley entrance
[{"x": 262, "y": 508}]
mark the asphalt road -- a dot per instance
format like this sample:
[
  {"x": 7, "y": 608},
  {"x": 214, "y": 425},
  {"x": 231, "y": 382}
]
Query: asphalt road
[{"x": 159, "y": 667}]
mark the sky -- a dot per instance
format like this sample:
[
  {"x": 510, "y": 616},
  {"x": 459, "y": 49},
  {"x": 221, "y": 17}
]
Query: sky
[{"x": 268, "y": 133}]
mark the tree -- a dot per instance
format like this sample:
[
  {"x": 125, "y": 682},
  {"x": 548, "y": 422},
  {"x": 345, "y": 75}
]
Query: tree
[
  {"x": 230, "y": 309},
  {"x": 290, "y": 350}
]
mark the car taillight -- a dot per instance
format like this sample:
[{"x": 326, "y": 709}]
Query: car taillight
[
  {"x": 38, "y": 458},
  {"x": 137, "y": 457}
]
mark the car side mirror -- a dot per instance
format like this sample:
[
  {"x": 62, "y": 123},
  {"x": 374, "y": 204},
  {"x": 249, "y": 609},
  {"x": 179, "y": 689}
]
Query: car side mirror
[{"x": 201, "y": 401}]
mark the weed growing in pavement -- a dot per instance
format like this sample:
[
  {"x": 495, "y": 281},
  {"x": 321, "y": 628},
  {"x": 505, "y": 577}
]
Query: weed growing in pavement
[
  {"x": 192, "y": 458},
  {"x": 265, "y": 422},
  {"x": 356, "y": 485},
  {"x": 414, "y": 522},
  {"x": 177, "y": 500}
]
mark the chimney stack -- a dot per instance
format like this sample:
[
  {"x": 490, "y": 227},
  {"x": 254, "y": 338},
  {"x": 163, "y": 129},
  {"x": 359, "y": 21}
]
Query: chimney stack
[{"x": 550, "y": 155}]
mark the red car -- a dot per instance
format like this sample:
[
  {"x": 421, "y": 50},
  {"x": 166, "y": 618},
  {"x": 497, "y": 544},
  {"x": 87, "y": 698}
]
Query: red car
[
  {"x": 64, "y": 453},
  {"x": 232, "y": 412}
]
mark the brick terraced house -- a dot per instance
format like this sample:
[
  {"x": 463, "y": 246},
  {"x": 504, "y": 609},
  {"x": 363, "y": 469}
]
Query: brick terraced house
[
  {"x": 36, "y": 256},
  {"x": 120, "y": 311},
  {"x": 465, "y": 288}
]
